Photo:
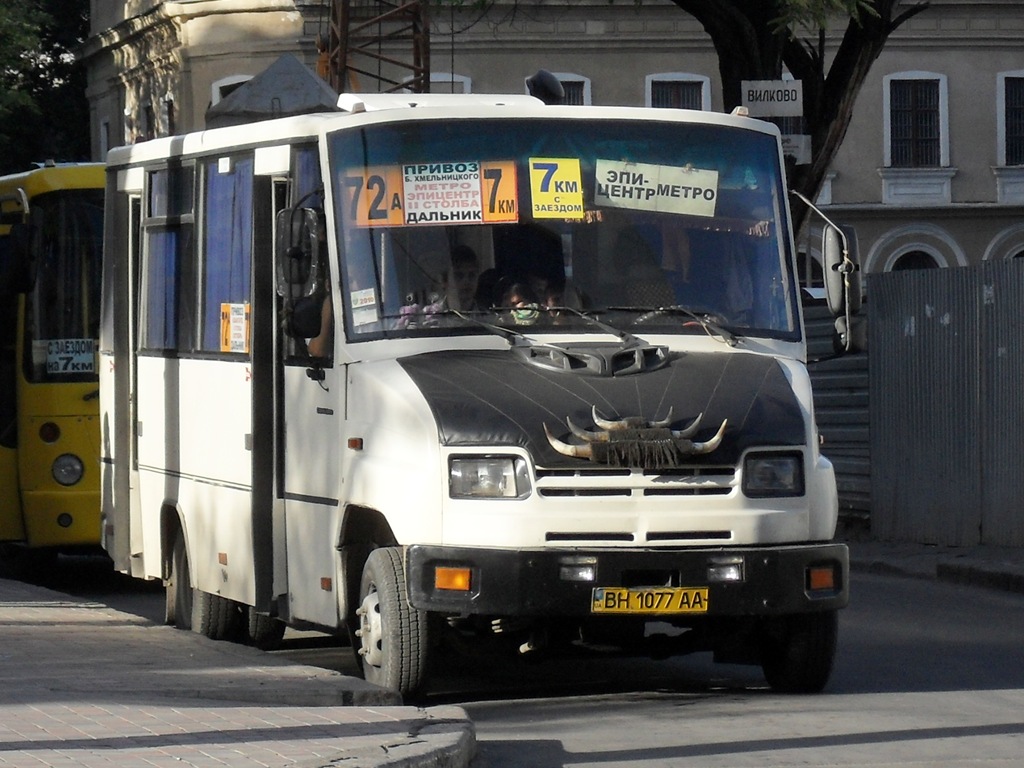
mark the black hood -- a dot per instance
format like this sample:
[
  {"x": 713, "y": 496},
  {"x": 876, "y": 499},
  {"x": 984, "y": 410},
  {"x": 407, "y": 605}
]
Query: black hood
[{"x": 485, "y": 398}]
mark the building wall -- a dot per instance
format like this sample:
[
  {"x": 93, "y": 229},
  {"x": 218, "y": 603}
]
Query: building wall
[{"x": 155, "y": 67}]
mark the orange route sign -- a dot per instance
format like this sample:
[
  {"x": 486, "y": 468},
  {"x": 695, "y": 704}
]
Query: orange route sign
[{"x": 432, "y": 194}]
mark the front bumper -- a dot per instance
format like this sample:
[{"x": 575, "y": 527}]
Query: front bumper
[{"x": 775, "y": 580}]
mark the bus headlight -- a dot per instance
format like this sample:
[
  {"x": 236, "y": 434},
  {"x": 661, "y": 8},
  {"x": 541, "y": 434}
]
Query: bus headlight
[
  {"x": 773, "y": 474},
  {"x": 67, "y": 469},
  {"x": 488, "y": 477}
]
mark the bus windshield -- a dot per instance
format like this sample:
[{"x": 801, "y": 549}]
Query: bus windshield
[
  {"x": 456, "y": 225},
  {"x": 62, "y": 309}
]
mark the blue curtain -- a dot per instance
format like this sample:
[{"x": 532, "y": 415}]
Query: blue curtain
[
  {"x": 227, "y": 246},
  {"x": 162, "y": 285}
]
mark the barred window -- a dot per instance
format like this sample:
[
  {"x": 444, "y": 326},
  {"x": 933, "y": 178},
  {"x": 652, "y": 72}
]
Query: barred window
[
  {"x": 914, "y": 123},
  {"x": 677, "y": 94},
  {"x": 574, "y": 92},
  {"x": 1014, "y": 120}
]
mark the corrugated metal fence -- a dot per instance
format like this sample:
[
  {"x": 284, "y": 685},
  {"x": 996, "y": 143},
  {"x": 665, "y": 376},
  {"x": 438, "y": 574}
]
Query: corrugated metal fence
[
  {"x": 946, "y": 416},
  {"x": 840, "y": 387}
]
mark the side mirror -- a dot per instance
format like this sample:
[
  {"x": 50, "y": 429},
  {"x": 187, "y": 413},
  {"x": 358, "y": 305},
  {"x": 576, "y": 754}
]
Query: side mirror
[
  {"x": 298, "y": 252},
  {"x": 842, "y": 280},
  {"x": 839, "y": 261}
]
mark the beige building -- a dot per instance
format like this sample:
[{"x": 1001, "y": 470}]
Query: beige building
[{"x": 931, "y": 172}]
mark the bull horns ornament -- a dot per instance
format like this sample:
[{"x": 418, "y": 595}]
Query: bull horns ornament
[{"x": 634, "y": 442}]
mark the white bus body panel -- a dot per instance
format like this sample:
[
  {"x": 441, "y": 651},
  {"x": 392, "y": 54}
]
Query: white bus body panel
[{"x": 194, "y": 426}]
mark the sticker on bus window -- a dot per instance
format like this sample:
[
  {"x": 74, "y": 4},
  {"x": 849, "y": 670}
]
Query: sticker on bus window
[
  {"x": 556, "y": 188},
  {"x": 432, "y": 193},
  {"x": 658, "y": 188},
  {"x": 364, "y": 306},
  {"x": 65, "y": 356},
  {"x": 234, "y": 328}
]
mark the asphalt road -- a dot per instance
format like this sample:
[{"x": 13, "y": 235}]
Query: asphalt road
[{"x": 928, "y": 674}]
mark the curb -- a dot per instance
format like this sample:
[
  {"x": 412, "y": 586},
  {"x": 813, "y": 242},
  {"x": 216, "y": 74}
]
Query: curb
[
  {"x": 980, "y": 576},
  {"x": 446, "y": 740}
]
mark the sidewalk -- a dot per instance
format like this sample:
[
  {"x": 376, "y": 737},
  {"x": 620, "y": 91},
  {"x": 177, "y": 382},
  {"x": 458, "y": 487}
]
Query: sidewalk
[
  {"x": 981, "y": 565},
  {"x": 84, "y": 685}
]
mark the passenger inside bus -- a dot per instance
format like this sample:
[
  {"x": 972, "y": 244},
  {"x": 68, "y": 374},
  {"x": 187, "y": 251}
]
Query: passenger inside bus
[{"x": 460, "y": 281}]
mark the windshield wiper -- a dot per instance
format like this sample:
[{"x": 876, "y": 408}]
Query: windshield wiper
[
  {"x": 706, "y": 320},
  {"x": 517, "y": 338},
  {"x": 628, "y": 339}
]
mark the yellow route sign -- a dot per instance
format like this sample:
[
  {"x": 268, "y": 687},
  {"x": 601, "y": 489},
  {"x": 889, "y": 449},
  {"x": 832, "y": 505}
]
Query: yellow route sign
[{"x": 556, "y": 188}]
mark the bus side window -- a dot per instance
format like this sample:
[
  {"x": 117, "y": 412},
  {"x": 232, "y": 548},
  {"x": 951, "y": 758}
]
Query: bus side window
[
  {"x": 227, "y": 234},
  {"x": 168, "y": 273}
]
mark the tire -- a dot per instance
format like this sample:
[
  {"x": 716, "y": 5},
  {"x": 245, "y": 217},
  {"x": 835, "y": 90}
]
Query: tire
[
  {"x": 392, "y": 635},
  {"x": 210, "y": 615},
  {"x": 798, "y": 653},
  {"x": 214, "y": 616},
  {"x": 264, "y": 632},
  {"x": 178, "y": 588}
]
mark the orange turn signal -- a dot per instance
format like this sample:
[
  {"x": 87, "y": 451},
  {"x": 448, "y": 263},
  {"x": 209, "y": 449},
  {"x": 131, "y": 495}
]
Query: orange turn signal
[
  {"x": 821, "y": 577},
  {"x": 452, "y": 578}
]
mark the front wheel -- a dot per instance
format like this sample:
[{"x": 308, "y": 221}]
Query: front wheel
[
  {"x": 798, "y": 652},
  {"x": 392, "y": 635},
  {"x": 178, "y": 588}
]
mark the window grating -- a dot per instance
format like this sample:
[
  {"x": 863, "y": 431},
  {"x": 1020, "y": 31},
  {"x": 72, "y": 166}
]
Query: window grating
[
  {"x": 1015, "y": 120},
  {"x": 677, "y": 94},
  {"x": 915, "y": 139},
  {"x": 574, "y": 92}
]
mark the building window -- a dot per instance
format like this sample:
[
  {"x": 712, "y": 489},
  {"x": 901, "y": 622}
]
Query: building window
[
  {"x": 577, "y": 88},
  {"x": 915, "y": 140},
  {"x": 917, "y": 120},
  {"x": 1009, "y": 168},
  {"x": 1014, "y": 120},
  {"x": 914, "y": 260},
  {"x": 916, "y": 164},
  {"x": 677, "y": 90},
  {"x": 149, "y": 122},
  {"x": 169, "y": 116},
  {"x": 222, "y": 88}
]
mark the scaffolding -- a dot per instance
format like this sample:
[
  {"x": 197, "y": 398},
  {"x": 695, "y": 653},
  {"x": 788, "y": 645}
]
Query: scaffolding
[{"x": 376, "y": 46}]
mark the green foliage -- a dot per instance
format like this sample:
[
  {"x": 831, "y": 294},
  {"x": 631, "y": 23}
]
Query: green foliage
[
  {"x": 818, "y": 13},
  {"x": 43, "y": 109}
]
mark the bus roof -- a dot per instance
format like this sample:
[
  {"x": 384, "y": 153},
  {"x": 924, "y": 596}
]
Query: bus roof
[
  {"x": 52, "y": 178},
  {"x": 364, "y": 109}
]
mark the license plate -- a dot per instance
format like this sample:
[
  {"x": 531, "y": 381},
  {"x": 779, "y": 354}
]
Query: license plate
[{"x": 649, "y": 600}]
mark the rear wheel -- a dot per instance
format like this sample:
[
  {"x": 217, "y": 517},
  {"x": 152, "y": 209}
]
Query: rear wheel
[
  {"x": 264, "y": 632},
  {"x": 798, "y": 652},
  {"x": 392, "y": 635},
  {"x": 214, "y": 616}
]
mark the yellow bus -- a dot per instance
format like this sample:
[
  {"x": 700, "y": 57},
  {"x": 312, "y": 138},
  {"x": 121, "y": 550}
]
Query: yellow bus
[{"x": 51, "y": 223}]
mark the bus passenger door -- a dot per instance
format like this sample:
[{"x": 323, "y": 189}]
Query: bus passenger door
[{"x": 308, "y": 408}]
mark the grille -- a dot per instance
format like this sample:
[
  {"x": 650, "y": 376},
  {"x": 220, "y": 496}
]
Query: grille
[{"x": 606, "y": 481}]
